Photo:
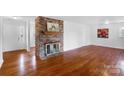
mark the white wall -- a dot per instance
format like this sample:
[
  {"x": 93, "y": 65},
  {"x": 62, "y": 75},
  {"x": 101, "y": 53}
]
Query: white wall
[
  {"x": 78, "y": 35},
  {"x": 75, "y": 35},
  {"x": 113, "y": 41},
  {"x": 1, "y": 55}
]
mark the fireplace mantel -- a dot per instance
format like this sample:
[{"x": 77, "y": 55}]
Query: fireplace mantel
[
  {"x": 51, "y": 33},
  {"x": 50, "y": 42}
]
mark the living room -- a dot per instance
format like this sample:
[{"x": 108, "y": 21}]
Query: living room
[
  {"x": 62, "y": 45},
  {"x": 83, "y": 46}
]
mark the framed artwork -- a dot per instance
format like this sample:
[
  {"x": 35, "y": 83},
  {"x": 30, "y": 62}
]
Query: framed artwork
[
  {"x": 103, "y": 33},
  {"x": 54, "y": 27}
]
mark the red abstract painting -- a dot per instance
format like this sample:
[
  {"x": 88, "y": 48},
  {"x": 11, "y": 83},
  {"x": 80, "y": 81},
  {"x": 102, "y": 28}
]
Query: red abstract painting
[{"x": 103, "y": 33}]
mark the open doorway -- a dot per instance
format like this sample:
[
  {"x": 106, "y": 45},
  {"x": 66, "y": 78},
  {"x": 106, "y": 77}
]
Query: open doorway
[
  {"x": 18, "y": 35},
  {"x": 14, "y": 35}
]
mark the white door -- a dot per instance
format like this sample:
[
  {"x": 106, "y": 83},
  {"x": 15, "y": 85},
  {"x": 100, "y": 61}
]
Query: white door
[{"x": 13, "y": 37}]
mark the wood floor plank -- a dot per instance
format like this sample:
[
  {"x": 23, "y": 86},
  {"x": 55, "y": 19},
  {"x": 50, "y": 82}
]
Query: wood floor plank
[{"x": 85, "y": 61}]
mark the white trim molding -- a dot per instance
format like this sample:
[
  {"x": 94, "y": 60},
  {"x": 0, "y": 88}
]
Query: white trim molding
[
  {"x": 1, "y": 63},
  {"x": 27, "y": 28},
  {"x": 1, "y": 38}
]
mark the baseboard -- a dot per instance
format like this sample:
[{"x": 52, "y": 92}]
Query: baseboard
[
  {"x": 109, "y": 46},
  {"x": 76, "y": 48},
  {"x": 15, "y": 50},
  {"x": 95, "y": 45}
]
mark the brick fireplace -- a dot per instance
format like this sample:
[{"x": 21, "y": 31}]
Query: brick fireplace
[
  {"x": 48, "y": 43},
  {"x": 52, "y": 48}
]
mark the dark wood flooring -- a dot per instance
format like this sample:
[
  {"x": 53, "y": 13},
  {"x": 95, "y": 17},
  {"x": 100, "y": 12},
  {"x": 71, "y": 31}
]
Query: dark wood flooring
[{"x": 85, "y": 61}]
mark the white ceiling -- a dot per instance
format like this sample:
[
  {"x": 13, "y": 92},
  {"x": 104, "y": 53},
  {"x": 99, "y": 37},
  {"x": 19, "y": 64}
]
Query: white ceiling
[
  {"x": 31, "y": 18},
  {"x": 79, "y": 19},
  {"x": 91, "y": 19},
  {"x": 18, "y": 20}
]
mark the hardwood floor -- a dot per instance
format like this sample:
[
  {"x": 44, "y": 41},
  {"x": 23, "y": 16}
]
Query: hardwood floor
[{"x": 85, "y": 61}]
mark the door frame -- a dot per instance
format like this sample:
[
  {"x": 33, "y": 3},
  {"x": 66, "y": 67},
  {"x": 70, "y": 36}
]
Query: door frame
[{"x": 1, "y": 41}]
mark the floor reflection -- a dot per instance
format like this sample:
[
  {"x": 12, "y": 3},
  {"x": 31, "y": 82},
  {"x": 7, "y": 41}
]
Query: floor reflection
[
  {"x": 21, "y": 63},
  {"x": 33, "y": 62}
]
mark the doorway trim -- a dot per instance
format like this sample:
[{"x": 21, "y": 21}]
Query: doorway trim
[{"x": 1, "y": 41}]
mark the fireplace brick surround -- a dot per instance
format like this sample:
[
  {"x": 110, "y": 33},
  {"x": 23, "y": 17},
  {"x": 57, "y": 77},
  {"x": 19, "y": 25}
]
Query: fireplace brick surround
[{"x": 44, "y": 37}]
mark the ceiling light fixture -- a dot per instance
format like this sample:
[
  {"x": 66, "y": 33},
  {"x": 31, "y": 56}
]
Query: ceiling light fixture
[
  {"x": 106, "y": 22},
  {"x": 14, "y": 17}
]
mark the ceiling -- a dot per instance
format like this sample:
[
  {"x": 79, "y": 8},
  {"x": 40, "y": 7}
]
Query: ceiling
[
  {"x": 91, "y": 19},
  {"x": 18, "y": 20},
  {"x": 78, "y": 19},
  {"x": 31, "y": 18}
]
